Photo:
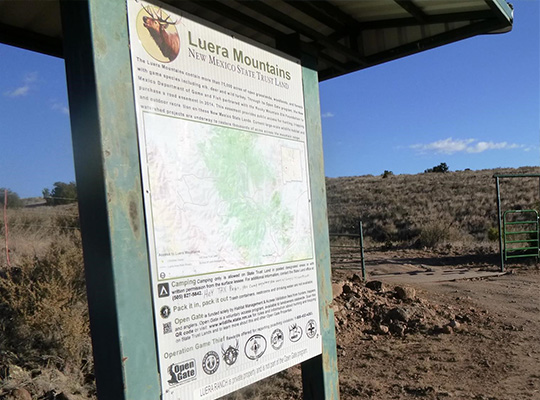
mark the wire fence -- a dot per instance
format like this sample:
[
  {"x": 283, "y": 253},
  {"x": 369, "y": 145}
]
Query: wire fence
[{"x": 32, "y": 219}]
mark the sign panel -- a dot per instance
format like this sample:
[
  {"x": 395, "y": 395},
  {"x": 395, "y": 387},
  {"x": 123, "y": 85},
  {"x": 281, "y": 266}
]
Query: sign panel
[{"x": 227, "y": 202}]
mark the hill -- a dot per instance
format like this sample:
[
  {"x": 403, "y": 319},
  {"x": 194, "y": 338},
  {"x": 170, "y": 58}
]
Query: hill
[{"x": 430, "y": 208}]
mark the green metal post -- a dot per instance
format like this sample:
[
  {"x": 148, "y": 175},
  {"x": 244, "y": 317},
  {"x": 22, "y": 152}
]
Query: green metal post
[
  {"x": 319, "y": 374},
  {"x": 499, "y": 222},
  {"x": 361, "y": 233},
  {"x": 96, "y": 52}
]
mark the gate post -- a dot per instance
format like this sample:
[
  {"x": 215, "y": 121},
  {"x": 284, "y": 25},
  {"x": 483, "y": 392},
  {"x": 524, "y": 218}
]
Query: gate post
[{"x": 499, "y": 222}]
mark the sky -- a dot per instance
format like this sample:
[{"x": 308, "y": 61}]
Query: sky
[{"x": 472, "y": 104}]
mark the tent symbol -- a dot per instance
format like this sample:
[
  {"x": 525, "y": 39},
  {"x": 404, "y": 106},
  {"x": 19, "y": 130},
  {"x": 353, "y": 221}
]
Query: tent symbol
[{"x": 163, "y": 290}]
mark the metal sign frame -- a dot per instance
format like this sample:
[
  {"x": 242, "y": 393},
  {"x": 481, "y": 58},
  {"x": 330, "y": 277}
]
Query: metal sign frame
[{"x": 96, "y": 50}]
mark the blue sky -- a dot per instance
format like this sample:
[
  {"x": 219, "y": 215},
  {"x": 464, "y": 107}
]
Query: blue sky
[{"x": 473, "y": 104}]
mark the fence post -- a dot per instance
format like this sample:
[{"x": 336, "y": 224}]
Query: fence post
[
  {"x": 6, "y": 231},
  {"x": 361, "y": 233}
]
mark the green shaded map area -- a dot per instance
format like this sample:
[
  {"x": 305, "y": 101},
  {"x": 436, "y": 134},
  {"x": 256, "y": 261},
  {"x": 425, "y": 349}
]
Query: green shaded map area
[
  {"x": 225, "y": 199},
  {"x": 248, "y": 185}
]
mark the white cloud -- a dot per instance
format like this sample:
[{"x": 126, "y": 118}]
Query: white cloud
[
  {"x": 23, "y": 89},
  {"x": 60, "y": 107},
  {"x": 328, "y": 115},
  {"x": 451, "y": 146}
]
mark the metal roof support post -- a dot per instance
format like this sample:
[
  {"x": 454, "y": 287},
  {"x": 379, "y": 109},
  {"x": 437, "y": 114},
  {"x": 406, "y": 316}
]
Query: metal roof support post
[
  {"x": 499, "y": 222},
  {"x": 96, "y": 50},
  {"x": 319, "y": 374}
]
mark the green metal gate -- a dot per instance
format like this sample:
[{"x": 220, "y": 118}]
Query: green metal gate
[{"x": 520, "y": 236}]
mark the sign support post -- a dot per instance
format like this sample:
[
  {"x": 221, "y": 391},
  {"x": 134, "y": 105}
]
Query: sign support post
[
  {"x": 319, "y": 374},
  {"x": 107, "y": 163},
  {"x": 98, "y": 69}
]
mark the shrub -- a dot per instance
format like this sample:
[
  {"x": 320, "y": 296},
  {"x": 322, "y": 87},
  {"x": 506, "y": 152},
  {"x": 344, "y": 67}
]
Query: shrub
[
  {"x": 441, "y": 168},
  {"x": 387, "y": 173},
  {"x": 13, "y": 199},
  {"x": 493, "y": 234},
  {"x": 43, "y": 310},
  {"x": 62, "y": 193}
]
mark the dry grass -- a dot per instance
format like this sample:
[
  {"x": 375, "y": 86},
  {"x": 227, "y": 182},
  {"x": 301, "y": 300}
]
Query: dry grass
[
  {"x": 44, "y": 330},
  {"x": 428, "y": 209}
]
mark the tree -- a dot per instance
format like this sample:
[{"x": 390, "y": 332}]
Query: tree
[
  {"x": 387, "y": 173},
  {"x": 441, "y": 168},
  {"x": 13, "y": 199},
  {"x": 62, "y": 193}
]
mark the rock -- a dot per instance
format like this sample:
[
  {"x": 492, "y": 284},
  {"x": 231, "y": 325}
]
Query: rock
[
  {"x": 405, "y": 293},
  {"x": 376, "y": 286},
  {"x": 356, "y": 278},
  {"x": 447, "y": 329},
  {"x": 383, "y": 329},
  {"x": 337, "y": 289},
  {"x": 18, "y": 394},
  {"x": 398, "y": 314},
  {"x": 398, "y": 328},
  {"x": 463, "y": 318},
  {"x": 347, "y": 289},
  {"x": 454, "y": 324}
]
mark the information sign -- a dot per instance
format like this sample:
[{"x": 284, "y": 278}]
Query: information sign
[{"x": 227, "y": 203}]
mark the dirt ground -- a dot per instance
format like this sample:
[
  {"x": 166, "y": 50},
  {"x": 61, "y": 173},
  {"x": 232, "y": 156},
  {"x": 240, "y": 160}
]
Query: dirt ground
[
  {"x": 424, "y": 326},
  {"x": 423, "y": 331}
]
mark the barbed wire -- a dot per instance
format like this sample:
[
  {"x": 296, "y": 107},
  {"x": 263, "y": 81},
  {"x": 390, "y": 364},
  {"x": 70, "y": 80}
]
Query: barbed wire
[{"x": 43, "y": 226}]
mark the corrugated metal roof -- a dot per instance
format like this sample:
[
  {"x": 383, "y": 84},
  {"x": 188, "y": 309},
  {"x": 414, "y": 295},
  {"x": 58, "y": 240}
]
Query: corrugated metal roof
[{"x": 345, "y": 35}]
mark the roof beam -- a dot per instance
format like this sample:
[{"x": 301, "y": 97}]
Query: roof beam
[
  {"x": 412, "y": 9},
  {"x": 310, "y": 10},
  {"x": 338, "y": 14},
  {"x": 318, "y": 37},
  {"x": 431, "y": 19},
  {"x": 435, "y": 41},
  {"x": 239, "y": 17},
  {"x": 29, "y": 40}
]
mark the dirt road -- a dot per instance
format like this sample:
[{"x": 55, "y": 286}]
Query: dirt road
[{"x": 464, "y": 339}]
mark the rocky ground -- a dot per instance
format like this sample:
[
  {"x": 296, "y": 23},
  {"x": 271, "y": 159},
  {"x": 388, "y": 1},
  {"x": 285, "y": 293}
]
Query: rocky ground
[
  {"x": 459, "y": 339},
  {"x": 476, "y": 338}
]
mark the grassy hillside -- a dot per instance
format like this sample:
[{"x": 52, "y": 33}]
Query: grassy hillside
[{"x": 430, "y": 208}]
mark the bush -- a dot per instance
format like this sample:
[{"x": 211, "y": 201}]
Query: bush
[
  {"x": 387, "y": 173},
  {"x": 62, "y": 193},
  {"x": 441, "y": 168},
  {"x": 435, "y": 233},
  {"x": 13, "y": 199},
  {"x": 43, "y": 310},
  {"x": 493, "y": 234}
]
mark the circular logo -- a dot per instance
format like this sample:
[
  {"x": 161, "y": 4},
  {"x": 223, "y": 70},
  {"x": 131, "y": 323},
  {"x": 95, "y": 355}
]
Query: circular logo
[
  {"x": 277, "y": 339},
  {"x": 295, "y": 333},
  {"x": 311, "y": 329},
  {"x": 255, "y": 347},
  {"x": 230, "y": 355},
  {"x": 158, "y": 34},
  {"x": 210, "y": 362},
  {"x": 165, "y": 312}
]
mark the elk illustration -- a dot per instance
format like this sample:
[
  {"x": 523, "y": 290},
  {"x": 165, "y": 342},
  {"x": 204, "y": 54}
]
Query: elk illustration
[{"x": 168, "y": 42}]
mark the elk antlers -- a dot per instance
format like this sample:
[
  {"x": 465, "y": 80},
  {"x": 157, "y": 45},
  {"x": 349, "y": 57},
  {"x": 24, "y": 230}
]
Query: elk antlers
[{"x": 158, "y": 15}]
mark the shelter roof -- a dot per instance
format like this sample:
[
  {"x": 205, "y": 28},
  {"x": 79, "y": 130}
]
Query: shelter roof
[{"x": 345, "y": 35}]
